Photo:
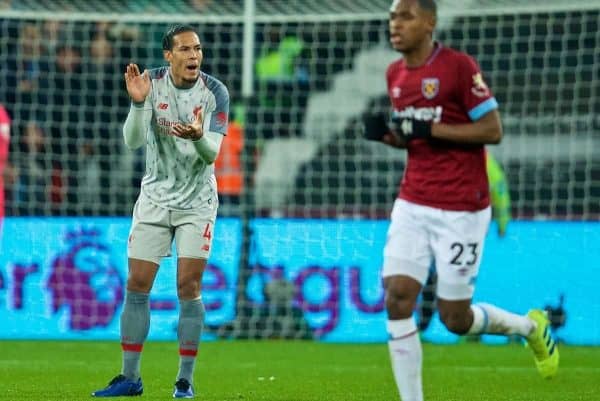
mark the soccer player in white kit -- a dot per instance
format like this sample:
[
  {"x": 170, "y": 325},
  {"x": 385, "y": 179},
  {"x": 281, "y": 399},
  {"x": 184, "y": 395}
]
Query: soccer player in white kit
[
  {"x": 444, "y": 114},
  {"x": 180, "y": 114}
]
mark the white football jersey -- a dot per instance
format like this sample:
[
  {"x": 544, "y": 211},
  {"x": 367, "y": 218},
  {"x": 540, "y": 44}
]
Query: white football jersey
[{"x": 177, "y": 178}]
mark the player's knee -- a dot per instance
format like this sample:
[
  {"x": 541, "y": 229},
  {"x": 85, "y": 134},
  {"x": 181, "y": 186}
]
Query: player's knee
[
  {"x": 455, "y": 321},
  {"x": 399, "y": 305},
  {"x": 188, "y": 289},
  {"x": 138, "y": 284}
]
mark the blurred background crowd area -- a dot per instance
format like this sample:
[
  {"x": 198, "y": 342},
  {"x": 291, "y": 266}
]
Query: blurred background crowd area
[
  {"x": 317, "y": 67},
  {"x": 206, "y": 7}
]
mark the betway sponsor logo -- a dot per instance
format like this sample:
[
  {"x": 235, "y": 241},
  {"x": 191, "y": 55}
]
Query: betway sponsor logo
[{"x": 420, "y": 113}]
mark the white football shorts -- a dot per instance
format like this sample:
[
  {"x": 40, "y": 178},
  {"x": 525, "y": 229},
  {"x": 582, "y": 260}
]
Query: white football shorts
[
  {"x": 153, "y": 229},
  {"x": 420, "y": 236}
]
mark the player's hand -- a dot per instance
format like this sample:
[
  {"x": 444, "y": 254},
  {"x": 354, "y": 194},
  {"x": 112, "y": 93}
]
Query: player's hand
[
  {"x": 138, "y": 85},
  {"x": 411, "y": 128},
  {"x": 375, "y": 126},
  {"x": 193, "y": 131},
  {"x": 394, "y": 141}
]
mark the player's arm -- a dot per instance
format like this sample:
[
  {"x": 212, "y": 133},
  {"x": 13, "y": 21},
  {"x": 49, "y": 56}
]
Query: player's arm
[
  {"x": 207, "y": 136},
  {"x": 215, "y": 128},
  {"x": 485, "y": 130},
  {"x": 208, "y": 146},
  {"x": 136, "y": 125},
  {"x": 140, "y": 114},
  {"x": 478, "y": 102}
]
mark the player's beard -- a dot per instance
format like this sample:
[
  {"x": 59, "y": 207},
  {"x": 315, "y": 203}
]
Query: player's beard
[{"x": 189, "y": 82}]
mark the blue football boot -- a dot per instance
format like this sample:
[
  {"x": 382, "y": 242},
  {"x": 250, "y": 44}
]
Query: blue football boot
[{"x": 121, "y": 386}]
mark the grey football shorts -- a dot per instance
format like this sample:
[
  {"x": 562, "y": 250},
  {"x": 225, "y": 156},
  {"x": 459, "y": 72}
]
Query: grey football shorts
[{"x": 153, "y": 229}]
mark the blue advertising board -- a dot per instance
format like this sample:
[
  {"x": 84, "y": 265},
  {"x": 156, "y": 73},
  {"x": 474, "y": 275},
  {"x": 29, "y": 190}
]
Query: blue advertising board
[
  {"x": 64, "y": 278},
  {"x": 336, "y": 268}
]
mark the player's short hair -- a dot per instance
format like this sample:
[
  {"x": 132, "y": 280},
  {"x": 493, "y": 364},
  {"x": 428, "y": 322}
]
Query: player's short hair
[
  {"x": 167, "y": 40},
  {"x": 429, "y": 6}
]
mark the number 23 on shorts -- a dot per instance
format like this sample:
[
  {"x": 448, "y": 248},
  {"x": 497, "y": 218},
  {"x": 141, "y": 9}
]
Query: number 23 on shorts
[{"x": 464, "y": 254}]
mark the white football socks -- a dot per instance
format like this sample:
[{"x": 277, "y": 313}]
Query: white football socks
[
  {"x": 489, "y": 319},
  {"x": 406, "y": 357}
]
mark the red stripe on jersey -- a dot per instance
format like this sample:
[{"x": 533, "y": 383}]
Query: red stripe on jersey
[
  {"x": 132, "y": 347},
  {"x": 187, "y": 352}
]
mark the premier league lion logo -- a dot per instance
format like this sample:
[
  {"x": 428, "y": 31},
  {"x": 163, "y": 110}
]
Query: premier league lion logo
[{"x": 85, "y": 281}]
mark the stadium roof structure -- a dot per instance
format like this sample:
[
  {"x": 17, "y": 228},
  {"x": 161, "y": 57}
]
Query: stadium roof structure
[{"x": 214, "y": 8}]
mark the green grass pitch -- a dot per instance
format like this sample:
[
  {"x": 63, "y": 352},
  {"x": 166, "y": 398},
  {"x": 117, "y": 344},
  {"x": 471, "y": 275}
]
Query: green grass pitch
[{"x": 295, "y": 371}]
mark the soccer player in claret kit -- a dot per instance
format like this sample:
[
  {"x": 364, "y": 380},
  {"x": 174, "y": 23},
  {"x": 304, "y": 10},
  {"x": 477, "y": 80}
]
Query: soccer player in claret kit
[
  {"x": 180, "y": 114},
  {"x": 443, "y": 114}
]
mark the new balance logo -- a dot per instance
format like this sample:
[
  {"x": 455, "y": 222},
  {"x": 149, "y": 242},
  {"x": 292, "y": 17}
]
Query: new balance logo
[{"x": 163, "y": 106}]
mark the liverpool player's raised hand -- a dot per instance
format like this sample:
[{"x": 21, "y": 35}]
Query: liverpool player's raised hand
[
  {"x": 138, "y": 85},
  {"x": 193, "y": 131}
]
